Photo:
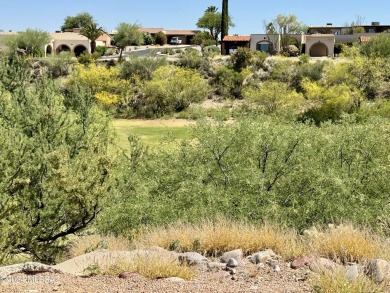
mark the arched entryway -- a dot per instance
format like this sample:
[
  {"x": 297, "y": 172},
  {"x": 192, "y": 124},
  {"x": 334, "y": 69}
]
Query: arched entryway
[
  {"x": 319, "y": 50},
  {"x": 49, "y": 49},
  {"x": 62, "y": 48},
  {"x": 264, "y": 46},
  {"x": 79, "y": 49}
]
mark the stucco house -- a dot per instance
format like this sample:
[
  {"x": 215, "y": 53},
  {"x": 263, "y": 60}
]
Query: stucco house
[
  {"x": 68, "y": 41},
  {"x": 184, "y": 35},
  {"x": 230, "y": 43}
]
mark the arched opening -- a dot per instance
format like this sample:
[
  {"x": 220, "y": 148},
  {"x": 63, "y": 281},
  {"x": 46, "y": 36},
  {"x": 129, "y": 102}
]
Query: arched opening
[
  {"x": 319, "y": 50},
  {"x": 62, "y": 48},
  {"x": 49, "y": 49},
  {"x": 78, "y": 50},
  {"x": 264, "y": 46}
]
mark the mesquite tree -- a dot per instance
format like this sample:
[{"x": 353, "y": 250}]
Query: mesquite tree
[{"x": 54, "y": 166}]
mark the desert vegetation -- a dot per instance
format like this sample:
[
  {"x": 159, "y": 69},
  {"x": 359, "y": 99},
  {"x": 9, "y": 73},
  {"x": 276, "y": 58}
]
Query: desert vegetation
[{"x": 294, "y": 144}]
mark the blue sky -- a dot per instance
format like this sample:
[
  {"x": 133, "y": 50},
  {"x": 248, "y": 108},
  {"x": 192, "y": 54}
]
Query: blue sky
[{"x": 248, "y": 15}]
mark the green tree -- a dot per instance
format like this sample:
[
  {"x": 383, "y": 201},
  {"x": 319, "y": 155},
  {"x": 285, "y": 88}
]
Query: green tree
[
  {"x": 54, "y": 167},
  {"x": 32, "y": 41},
  {"x": 127, "y": 34},
  {"x": 81, "y": 20},
  {"x": 225, "y": 19},
  {"x": 211, "y": 20},
  {"x": 161, "y": 38},
  {"x": 92, "y": 32},
  {"x": 286, "y": 25}
]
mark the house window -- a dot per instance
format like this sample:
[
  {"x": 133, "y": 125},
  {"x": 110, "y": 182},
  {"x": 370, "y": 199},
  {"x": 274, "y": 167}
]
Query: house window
[{"x": 263, "y": 46}]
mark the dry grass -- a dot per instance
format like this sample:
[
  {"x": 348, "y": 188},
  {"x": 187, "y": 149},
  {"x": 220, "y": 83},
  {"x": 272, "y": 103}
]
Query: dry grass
[
  {"x": 85, "y": 244},
  {"x": 345, "y": 243},
  {"x": 152, "y": 265},
  {"x": 214, "y": 238},
  {"x": 337, "y": 282}
]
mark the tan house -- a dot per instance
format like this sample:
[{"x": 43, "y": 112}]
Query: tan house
[
  {"x": 319, "y": 45},
  {"x": 230, "y": 44},
  {"x": 265, "y": 43},
  {"x": 184, "y": 35},
  {"x": 68, "y": 41}
]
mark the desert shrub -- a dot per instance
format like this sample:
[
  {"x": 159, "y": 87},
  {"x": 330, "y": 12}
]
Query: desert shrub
[
  {"x": 377, "y": 46},
  {"x": 55, "y": 167},
  {"x": 141, "y": 67},
  {"x": 202, "y": 38},
  {"x": 281, "y": 69},
  {"x": 242, "y": 58},
  {"x": 191, "y": 59},
  {"x": 172, "y": 89},
  {"x": 211, "y": 51},
  {"x": 259, "y": 59},
  {"x": 329, "y": 103},
  {"x": 87, "y": 58},
  {"x": 260, "y": 169},
  {"x": 290, "y": 51},
  {"x": 168, "y": 51},
  {"x": 59, "y": 64},
  {"x": 101, "y": 79},
  {"x": 228, "y": 82},
  {"x": 273, "y": 97},
  {"x": 101, "y": 50},
  {"x": 160, "y": 39},
  {"x": 148, "y": 39}
]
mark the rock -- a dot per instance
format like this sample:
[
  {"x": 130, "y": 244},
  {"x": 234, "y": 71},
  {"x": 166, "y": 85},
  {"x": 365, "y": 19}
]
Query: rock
[
  {"x": 29, "y": 268},
  {"x": 174, "y": 279},
  {"x": 276, "y": 268},
  {"x": 378, "y": 270},
  {"x": 222, "y": 274},
  {"x": 232, "y": 263},
  {"x": 212, "y": 266},
  {"x": 321, "y": 264},
  {"x": 262, "y": 256},
  {"x": 192, "y": 258},
  {"x": 236, "y": 254},
  {"x": 301, "y": 262},
  {"x": 352, "y": 272}
]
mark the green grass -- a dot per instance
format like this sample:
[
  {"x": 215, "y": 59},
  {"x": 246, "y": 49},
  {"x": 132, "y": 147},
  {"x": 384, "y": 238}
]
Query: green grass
[{"x": 151, "y": 132}]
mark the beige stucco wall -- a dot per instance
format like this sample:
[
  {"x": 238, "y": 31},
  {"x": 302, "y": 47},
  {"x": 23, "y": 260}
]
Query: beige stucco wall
[
  {"x": 319, "y": 45},
  {"x": 72, "y": 40},
  {"x": 257, "y": 38}
]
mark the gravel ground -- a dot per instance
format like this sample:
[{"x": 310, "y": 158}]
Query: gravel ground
[{"x": 248, "y": 278}]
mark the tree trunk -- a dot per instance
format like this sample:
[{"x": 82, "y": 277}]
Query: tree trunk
[{"x": 225, "y": 19}]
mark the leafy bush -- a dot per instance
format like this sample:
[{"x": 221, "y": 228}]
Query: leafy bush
[
  {"x": 100, "y": 79},
  {"x": 202, "y": 38},
  {"x": 275, "y": 97},
  {"x": 148, "y": 39},
  {"x": 101, "y": 50},
  {"x": 160, "y": 39},
  {"x": 141, "y": 67},
  {"x": 172, "y": 89},
  {"x": 242, "y": 58},
  {"x": 378, "y": 46},
  {"x": 54, "y": 171},
  {"x": 228, "y": 82},
  {"x": 59, "y": 64},
  {"x": 168, "y": 51}
]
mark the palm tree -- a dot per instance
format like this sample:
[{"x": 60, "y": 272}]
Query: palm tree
[
  {"x": 212, "y": 9},
  {"x": 92, "y": 32},
  {"x": 225, "y": 19}
]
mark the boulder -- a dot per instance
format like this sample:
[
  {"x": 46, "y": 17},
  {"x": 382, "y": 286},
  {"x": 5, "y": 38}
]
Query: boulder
[
  {"x": 192, "y": 258},
  {"x": 352, "y": 272},
  {"x": 301, "y": 262},
  {"x": 378, "y": 270},
  {"x": 236, "y": 254},
  {"x": 262, "y": 256},
  {"x": 232, "y": 263},
  {"x": 320, "y": 265}
]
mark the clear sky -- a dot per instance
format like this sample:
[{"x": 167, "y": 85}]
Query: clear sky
[{"x": 248, "y": 15}]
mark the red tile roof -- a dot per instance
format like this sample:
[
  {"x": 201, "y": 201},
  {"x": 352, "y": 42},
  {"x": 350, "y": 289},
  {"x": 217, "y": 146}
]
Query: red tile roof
[
  {"x": 236, "y": 38},
  {"x": 364, "y": 39}
]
